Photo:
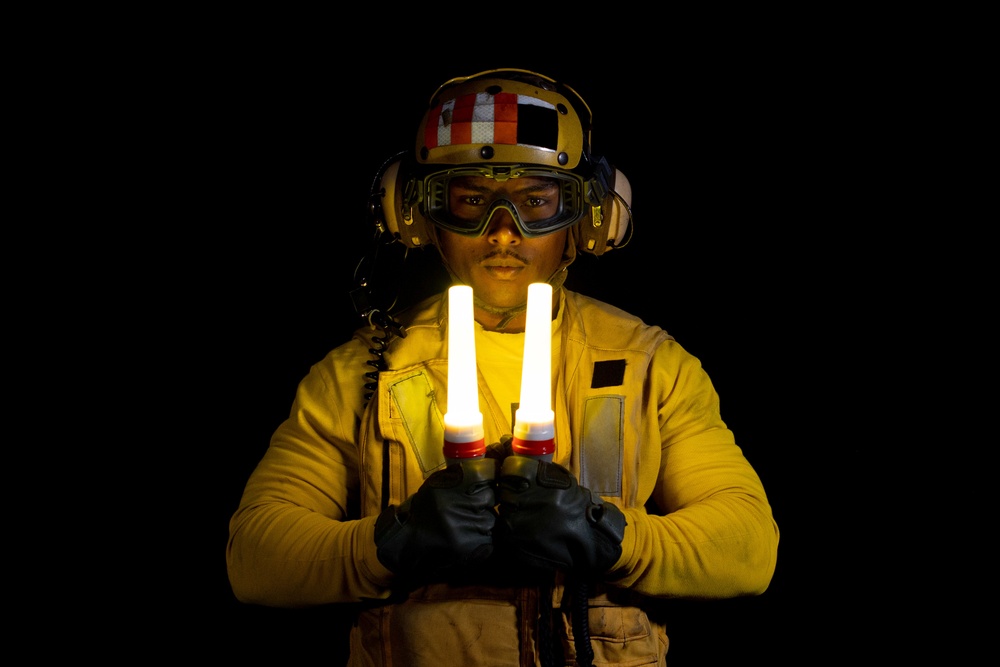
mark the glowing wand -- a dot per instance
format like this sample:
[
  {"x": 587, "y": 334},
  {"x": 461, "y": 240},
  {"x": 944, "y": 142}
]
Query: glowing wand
[
  {"x": 534, "y": 421},
  {"x": 463, "y": 422}
]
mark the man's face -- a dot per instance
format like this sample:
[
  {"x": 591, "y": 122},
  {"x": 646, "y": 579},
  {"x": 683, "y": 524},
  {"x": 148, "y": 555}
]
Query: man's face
[{"x": 500, "y": 264}]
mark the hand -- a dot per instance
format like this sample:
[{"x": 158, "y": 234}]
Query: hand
[
  {"x": 551, "y": 522},
  {"x": 448, "y": 522}
]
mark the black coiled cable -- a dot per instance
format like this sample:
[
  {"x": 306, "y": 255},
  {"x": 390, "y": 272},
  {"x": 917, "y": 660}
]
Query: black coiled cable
[
  {"x": 372, "y": 299},
  {"x": 387, "y": 326}
]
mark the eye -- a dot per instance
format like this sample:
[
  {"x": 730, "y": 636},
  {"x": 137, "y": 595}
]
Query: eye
[
  {"x": 472, "y": 200},
  {"x": 535, "y": 202}
]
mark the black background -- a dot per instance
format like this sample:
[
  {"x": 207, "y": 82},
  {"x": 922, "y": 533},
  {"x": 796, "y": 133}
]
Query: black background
[{"x": 745, "y": 250}]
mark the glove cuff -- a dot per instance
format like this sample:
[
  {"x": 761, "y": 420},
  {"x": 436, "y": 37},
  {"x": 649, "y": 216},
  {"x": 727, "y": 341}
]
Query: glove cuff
[
  {"x": 609, "y": 522},
  {"x": 390, "y": 523}
]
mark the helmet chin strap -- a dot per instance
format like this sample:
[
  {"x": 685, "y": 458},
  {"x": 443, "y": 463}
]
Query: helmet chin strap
[{"x": 507, "y": 314}]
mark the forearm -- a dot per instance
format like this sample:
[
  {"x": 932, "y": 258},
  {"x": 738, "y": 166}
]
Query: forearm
[
  {"x": 286, "y": 556},
  {"x": 723, "y": 547}
]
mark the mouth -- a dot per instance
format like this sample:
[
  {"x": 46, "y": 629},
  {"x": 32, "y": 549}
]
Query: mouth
[{"x": 505, "y": 271}]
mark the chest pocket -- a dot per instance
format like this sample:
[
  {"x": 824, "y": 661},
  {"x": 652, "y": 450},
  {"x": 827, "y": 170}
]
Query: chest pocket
[
  {"x": 416, "y": 408},
  {"x": 601, "y": 445}
]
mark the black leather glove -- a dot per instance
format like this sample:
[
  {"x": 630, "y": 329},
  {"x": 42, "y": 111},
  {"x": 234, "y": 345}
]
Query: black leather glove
[
  {"x": 551, "y": 522},
  {"x": 447, "y": 523}
]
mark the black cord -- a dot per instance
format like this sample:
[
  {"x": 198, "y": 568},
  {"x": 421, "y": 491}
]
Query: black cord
[
  {"x": 378, "y": 363},
  {"x": 372, "y": 301},
  {"x": 581, "y": 624},
  {"x": 545, "y": 646}
]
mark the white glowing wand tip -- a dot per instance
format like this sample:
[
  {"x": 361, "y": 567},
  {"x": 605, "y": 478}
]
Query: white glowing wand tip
[
  {"x": 463, "y": 422},
  {"x": 534, "y": 421}
]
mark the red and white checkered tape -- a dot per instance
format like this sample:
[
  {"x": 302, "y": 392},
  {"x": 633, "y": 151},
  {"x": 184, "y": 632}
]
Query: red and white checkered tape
[{"x": 480, "y": 118}]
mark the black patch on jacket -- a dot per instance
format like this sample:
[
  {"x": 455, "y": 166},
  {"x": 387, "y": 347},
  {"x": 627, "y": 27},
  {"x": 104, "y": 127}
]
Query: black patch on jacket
[{"x": 608, "y": 373}]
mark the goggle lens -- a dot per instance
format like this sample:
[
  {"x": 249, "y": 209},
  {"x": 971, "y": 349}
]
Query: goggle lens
[{"x": 540, "y": 201}]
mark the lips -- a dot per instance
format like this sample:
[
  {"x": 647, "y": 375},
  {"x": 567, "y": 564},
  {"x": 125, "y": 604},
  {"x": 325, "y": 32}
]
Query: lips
[{"x": 503, "y": 271}]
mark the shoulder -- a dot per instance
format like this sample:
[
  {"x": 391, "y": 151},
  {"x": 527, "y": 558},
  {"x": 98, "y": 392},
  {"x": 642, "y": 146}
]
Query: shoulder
[
  {"x": 416, "y": 322},
  {"x": 588, "y": 305},
  {"x": 596, "y": 320},
  {"x": 426, "y": 314}
]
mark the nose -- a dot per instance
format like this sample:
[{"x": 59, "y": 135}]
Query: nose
[{"x": 502, "y": 229}]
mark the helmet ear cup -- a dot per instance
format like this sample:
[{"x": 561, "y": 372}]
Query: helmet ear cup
[
  {"x": 615, "y": 212},
  {"x": 621, "y": 209},
  {"x": 394, "y": 210}
]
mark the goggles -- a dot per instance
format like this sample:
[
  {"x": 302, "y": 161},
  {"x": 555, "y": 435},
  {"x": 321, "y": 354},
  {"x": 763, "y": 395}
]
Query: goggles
[{"x": 540, "y": 200}]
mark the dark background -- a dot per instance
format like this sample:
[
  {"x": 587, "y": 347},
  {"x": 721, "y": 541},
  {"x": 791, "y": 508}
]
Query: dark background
[{"x": 746, "y": 193}]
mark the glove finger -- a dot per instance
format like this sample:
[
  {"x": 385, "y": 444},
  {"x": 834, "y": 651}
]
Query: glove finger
[{"x": 519, "y": 467}]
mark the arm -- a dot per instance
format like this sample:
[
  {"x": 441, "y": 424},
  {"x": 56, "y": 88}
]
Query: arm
[
  {"x": 295, "y": 539},
  {"x": 709, "y": 531}
]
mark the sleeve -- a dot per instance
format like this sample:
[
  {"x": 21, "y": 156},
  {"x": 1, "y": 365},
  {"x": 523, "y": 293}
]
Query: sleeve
[
  {"x": 292, "y": 540},
  {"x": 708, "y": 530}
]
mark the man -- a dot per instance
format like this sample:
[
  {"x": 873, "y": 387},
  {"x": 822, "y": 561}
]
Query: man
[{"x": 508, "y": 559}]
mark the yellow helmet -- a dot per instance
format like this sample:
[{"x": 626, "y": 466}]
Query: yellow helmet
[{"x": 505, "y": 117}]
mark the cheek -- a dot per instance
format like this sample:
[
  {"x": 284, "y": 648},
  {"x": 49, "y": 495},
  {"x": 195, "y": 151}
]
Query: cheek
[
  {"x": 455, "y": 250},
  {"x": 446, "y": 244},
  {"x": 557, "y": 248}
]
